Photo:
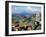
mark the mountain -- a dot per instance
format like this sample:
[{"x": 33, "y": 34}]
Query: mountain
[{"x": 22, "y": 14}]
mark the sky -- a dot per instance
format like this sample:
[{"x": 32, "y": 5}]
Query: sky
[{"x": 25, "y": 9}]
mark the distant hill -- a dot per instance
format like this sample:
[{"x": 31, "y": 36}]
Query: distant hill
[{"x": 22, "y": 14}]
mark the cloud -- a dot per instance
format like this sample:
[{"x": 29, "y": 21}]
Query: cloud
[{"x": 33, "y": 9}]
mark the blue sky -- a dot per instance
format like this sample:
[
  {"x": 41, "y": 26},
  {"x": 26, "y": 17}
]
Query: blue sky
[{"x": 25, "y": 9}]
